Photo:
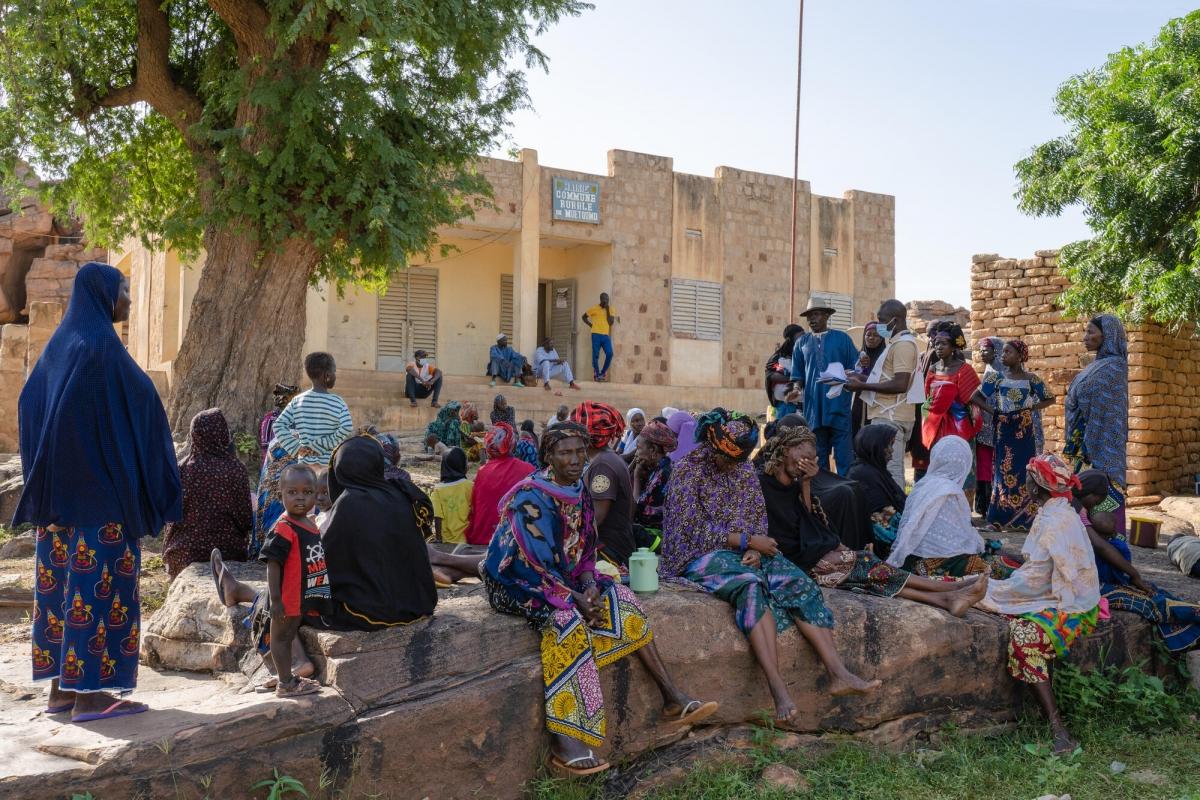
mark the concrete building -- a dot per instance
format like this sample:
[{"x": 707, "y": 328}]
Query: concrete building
[{"x": 696, "y": 267}]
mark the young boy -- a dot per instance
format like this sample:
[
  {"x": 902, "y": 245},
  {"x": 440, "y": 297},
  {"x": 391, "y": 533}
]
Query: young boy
[
  {"x": 297, "y": 579},
  {"x": 317, "y": 421}
]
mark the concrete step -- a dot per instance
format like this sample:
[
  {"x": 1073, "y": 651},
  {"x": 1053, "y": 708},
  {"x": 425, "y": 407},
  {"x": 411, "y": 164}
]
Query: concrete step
[{"x": 377, "y": 398}]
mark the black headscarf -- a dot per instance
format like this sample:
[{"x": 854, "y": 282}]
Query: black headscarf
[
  {"x": 454, "y": 465},
  {"x": 374, "y": 539},
  {"x": 783, "y": 351},
  {"x": 870, "y": 467}
]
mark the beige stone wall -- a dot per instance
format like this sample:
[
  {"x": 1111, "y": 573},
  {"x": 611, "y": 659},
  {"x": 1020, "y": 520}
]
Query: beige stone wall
[
  {"x": 873, "y": 264},
  {"x": 20, "y": 347},
  {"x": 1013, "y": 298},
  {"x": 922, "y": 312}
]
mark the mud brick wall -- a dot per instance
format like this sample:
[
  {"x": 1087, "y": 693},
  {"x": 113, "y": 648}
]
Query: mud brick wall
[
  {"x": 20, "y": 348},
  {"x": 1018, "y": 298}
]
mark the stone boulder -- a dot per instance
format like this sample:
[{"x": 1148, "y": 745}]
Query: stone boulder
[
  {"x": 452, "y": 706},
  {"x": 1183, "y": 508}
]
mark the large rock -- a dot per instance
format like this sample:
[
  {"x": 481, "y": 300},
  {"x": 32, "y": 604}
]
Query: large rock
[
  {"x": 1182, "y": 507},
  {"x": 452, "y": 706}
]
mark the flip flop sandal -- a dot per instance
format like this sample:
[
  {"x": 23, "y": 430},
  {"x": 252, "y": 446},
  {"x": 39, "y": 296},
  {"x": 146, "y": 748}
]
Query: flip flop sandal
[
  {"x": 568, "y": 768},
  {"x": 111, "y": 712},
  {"x": 301, "y": 687},
  {"x": 64, "y": 708},
  {"x": 267, "y": 686},
  {"x": 696, "y": 711},
  {"x": 217, "y": 566}
]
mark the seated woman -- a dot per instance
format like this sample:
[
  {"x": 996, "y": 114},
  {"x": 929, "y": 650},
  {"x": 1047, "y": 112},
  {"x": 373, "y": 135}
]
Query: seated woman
[
  {"x": 446, "y": 430},
  {"x": 797, "y": 522},
  {"x": 216, "y": 499},
  {"x": 715, "y": 536},
  {"x": 651, "y": 472},
  {"x": 472, "y": 431},
  {"x": 527, "y": 444},
  {"x": 374, "y": 545},
  {"x": 884, "y": 497},
  {"x": 936, "y": 537},
  {"x": 683, "y": 425},
  {"x": 1121, "y": 584},
  {"x": 541, "y": 566},
  {"x": 493, "y": 481},
  {"x": 842, "y": 498},
  {"x": 1054, "y": 597}
]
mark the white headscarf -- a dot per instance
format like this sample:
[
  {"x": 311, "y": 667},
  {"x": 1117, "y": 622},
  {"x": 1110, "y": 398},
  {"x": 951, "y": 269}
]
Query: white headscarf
[
  {"x": 937, "y": 519},
  {"x": 629, "y": 439}
]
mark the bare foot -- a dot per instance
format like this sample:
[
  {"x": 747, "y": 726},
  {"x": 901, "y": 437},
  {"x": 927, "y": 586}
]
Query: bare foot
[
  {"x": 785, "y": 709},
  {"x": 962, "y": 600},
  {"x": 850, "y": 684},
  {"x": 442, "y": 577}
]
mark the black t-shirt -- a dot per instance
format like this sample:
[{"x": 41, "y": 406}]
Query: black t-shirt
[
  {"x": 608, "y": 478},
  {"x": 297, "y": 547},
  {"x": 802, "y": 538}
]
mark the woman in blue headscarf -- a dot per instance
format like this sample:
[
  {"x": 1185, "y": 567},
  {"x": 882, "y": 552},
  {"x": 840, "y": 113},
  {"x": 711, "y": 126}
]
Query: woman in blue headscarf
[
  {"x": 1098, "y": 412},
  {"x": 100, "y": 473}
]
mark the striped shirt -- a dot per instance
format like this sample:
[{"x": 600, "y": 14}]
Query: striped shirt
[{"x": 319, "y": 421}]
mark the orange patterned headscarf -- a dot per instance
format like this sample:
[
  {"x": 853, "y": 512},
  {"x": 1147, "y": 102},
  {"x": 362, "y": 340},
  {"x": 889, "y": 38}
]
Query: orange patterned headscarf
[{"x": 730, "y": 433}]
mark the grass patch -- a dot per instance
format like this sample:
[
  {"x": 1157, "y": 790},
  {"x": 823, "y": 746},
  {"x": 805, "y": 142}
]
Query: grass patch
[{"x": 1139, "y": 741}]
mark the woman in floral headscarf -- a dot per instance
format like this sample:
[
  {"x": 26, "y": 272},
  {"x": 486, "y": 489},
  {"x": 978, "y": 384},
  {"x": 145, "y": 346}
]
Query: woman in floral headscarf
[
  {"x": 446, "y": 429},
  {"x": 1054, "y": 597},
  {"x": 494, "y": 480},
  {"x": 1098, "y": 412},
  {"x": 715, "y": 536},
  {"x": 949, "y": 387}
]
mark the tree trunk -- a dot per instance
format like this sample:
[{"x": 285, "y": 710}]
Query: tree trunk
[{"x": 245, "y": 333}]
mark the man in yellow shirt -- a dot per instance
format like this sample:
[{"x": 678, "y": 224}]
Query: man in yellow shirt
[{"x": 600, "y": 319}]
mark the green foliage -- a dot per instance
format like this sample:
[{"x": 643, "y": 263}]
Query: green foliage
[
  {"x": 280, "y": 786},
  {"x": 1131, "y": 159},
  {"x": 352, "y": 126},
  {"x": 1131, "y": 697},
  {"x": 245, "y": 443}
]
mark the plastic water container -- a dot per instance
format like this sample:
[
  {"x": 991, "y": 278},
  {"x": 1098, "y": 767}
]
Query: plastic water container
[{"x": 643, "y": 571}]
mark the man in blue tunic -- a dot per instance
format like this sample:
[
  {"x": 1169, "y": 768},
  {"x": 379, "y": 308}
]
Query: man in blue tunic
[{"x": 828, "y": 418}]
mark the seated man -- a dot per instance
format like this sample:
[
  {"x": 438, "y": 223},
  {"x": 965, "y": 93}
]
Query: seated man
[
  {"x": 797, "y": 522},
  {"x": 547, "y": 365},
  {"x": 421, "y": 379},
  {"x": 562, "y": 415},
  {"x": 505, "y": 363}
]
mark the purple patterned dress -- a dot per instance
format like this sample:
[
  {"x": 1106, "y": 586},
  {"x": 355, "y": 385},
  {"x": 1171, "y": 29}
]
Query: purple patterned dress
[{"x": 705, "y": 505}]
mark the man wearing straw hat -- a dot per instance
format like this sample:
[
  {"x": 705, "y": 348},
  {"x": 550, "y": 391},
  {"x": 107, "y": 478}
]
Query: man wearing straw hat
[{"x": 828, "y": 417}]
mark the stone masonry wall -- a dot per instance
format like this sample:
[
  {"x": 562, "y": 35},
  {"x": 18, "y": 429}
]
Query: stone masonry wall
[
  {"x": 20, "y": 347},
  {"x": 1013, "y": 298},
  {"x": 51, "y": 277}
]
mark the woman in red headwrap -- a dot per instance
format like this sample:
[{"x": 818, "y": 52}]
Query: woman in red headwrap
[
  {"x": 1054, "y": 597},
  {"x": 501, "y": 472},
  {"x": 949, "y": 386}
]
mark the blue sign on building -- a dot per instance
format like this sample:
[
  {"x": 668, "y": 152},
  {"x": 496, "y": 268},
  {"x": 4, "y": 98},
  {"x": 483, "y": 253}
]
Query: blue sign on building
[{"x": 576, "y": 201}]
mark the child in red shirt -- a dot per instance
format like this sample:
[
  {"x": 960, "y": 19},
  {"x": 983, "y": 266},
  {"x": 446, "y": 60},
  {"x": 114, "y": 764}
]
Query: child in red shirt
[{"x": 297, "y": 578}]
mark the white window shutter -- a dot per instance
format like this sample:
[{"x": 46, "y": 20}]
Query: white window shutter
[{"x": 696, "y": 310}]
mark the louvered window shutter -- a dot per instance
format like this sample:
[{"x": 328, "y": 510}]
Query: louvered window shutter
[{"x": 696, "y": 310}]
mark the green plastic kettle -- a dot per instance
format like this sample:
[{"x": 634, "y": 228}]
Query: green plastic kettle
[{"x": 643, "y": 571}]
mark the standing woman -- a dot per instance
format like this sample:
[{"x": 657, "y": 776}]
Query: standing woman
[
  {"x": 778, "y": 373},
  {"x": 100, "y": 473},
  {"x": 1098, "y": 412},
  {"x": 949, "y": 387},
  {"x": 1013, "y": 396},
  {"x": 873, "y": 348},
  {"x": 990, "y": 348}
]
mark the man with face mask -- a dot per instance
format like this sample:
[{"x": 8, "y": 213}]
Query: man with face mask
[
  {"x": 889, "y": 391},
  {"x": 422, "y": 379}
]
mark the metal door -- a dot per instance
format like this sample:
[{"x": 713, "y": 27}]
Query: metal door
[
  {"x": 563, "y": 322},
  {"x": 407, "y": 320}
]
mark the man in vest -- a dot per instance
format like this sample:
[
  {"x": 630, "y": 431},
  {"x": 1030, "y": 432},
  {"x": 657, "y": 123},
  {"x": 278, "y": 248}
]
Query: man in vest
[
  {"x": 889, "y": 392},
  {"x": 827, "y": 417}
]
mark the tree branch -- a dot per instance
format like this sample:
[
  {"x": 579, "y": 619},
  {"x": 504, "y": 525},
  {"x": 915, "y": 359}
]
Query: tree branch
[{"x": 248, "y": 20}]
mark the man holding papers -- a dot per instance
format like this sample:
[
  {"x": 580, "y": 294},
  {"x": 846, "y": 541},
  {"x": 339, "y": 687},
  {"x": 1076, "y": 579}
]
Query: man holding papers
[{"x": 829, "y": 417}]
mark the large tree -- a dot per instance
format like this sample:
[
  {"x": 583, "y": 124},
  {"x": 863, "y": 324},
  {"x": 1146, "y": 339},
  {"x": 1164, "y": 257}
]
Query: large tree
[
  {"x": 1131, "y": 159},
  {"x": 293, "y": 141}
]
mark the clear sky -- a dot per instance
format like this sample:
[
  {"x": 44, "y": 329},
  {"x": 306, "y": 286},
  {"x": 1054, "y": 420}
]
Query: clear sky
[{"x": 932, "y": 101}]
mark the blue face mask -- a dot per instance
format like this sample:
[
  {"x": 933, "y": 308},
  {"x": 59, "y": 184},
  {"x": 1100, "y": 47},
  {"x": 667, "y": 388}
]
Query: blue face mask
[{"x": 884, "y": 332}]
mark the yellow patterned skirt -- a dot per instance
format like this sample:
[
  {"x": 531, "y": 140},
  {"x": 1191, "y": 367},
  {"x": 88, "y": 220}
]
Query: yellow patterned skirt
[{"x": 573, "y": 653}]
